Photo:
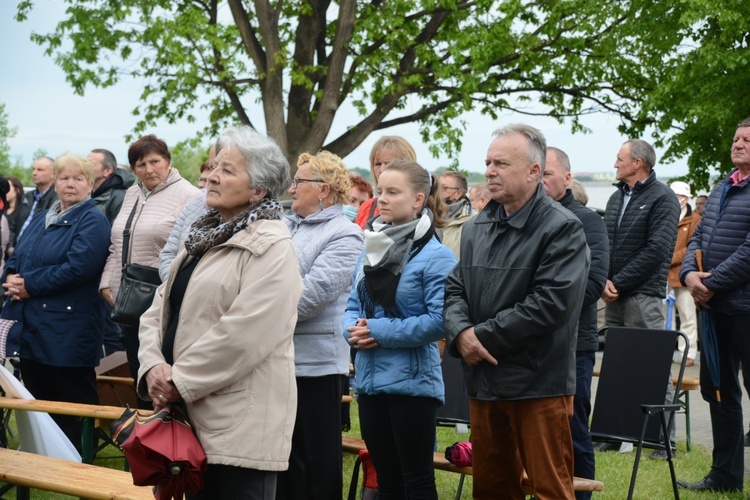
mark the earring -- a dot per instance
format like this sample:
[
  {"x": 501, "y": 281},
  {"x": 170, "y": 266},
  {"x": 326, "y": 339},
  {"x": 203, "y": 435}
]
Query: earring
[{"x": 320, "y": 204}]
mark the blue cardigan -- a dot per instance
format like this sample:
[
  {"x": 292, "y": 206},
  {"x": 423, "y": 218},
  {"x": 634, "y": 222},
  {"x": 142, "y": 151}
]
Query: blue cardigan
[
  {"x": 61, "y": 323},
  {"x": 407, "y": 361}
]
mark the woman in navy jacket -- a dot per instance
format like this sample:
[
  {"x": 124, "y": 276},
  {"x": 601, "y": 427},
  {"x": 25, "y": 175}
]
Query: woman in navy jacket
[
  {"x": 51, "y": 286},
  {"x": 394, "y": 317}
]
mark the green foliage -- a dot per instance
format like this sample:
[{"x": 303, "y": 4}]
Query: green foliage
[
  {"x": 187, "y": 157},
  {"x": 702, "y": 94},
  {"x": 18, "y": 169},
  {"x": 425, "y": 62},
  {"x": 39, "y": 152},
  {"x": 362, "y": 172},
  {"x": 6, "y": 132},
  {"x": 454, "y": 168}
]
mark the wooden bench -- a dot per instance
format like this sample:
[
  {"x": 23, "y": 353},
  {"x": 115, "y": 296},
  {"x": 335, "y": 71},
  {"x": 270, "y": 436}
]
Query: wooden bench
[
  {"x": 92, "y": 416},
  {"x": 683, "y": 397},
  {"x": 688, "y": 384},
  {"x": 354, "y": 446},
  {"x": 27, "y": 470}
]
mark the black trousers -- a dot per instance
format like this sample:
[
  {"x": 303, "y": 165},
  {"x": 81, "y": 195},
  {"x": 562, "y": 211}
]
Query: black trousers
[
  {"x": 726, "y": 418},
  {"x": 55, "y": 383},
  {"x": 583, "y": 448},
  {"x": 315, "y": 464},
  {"x": 131, "y": 342},
  {"x": 225, "y": 482},
  {"x": 112, "y": 341},
  {"x": 399, "y": 432}
]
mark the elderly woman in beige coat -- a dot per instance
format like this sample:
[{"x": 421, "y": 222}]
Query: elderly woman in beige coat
[
  {"x": 154, "y": 201},
  {"x": 218, "y": 336}
]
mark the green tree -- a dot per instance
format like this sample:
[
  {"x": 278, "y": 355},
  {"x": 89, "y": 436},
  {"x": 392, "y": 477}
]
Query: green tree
[
  {"x": 6, "y": 132},
  {"x": 393, "y": 62},
  {"x": 362, "y": 172},
  {"x": 18, "y": 169},
  {"x": 696, "y": 109},
  {"x": 187, "y": 157}
]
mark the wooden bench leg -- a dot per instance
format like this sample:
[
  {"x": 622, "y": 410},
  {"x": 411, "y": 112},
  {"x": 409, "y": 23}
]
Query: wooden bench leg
[
  {"x": 687, "y": 418},
  {"x": 23, "y": 493},
  {"x": 88, "y": 450},
  {"x": 684, "y": 399}
]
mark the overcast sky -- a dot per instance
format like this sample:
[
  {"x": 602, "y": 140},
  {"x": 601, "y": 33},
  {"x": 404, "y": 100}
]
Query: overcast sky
[{"x": 41, "y": 104}]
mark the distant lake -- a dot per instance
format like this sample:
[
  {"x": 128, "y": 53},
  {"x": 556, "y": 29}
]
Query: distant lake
[{"x": 598, "y": 194}]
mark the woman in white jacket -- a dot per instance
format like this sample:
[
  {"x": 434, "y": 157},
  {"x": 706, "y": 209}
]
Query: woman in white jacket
[
  {"x": 327, "y": 246},
  {"x": 218, "y": 336}
]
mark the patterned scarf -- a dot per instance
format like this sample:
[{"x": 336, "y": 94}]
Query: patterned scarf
[
  {"x": 387, "y": 250},
  {"x": 210, "y": 230}
]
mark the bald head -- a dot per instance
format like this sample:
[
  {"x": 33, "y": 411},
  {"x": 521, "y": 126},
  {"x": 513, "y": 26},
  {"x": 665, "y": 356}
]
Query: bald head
[{"x": 479, "y": 196}]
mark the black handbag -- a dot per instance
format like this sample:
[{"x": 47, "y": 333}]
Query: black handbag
[{"x": 138, "y": 285}]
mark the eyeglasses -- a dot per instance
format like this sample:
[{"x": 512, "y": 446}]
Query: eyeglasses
[
  {"x": 445, "y": 188},
  {"x": 297, "y": 180}
]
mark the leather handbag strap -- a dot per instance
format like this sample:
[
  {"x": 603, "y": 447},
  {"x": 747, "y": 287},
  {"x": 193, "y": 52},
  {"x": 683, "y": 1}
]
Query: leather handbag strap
[{"x": 126, "y": 236}]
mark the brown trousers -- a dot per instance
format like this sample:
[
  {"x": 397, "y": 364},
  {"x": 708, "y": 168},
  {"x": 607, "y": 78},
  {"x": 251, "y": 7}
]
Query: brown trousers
[{"x": 509, "y": 437}]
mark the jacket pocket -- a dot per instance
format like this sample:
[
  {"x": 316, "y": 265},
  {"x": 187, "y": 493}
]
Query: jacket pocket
[
  {"x": 315, "y": 349},
  {"x": 393, "y": 367},
  {"x": 221, "y": 410},
  {"x": 522, "y": 359}
]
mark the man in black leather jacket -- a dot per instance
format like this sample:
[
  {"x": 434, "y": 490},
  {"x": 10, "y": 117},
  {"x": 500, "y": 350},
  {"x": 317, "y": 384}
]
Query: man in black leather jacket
[
  {"x": 511, "y": 313},
  {"x": 556, "y": 180}
]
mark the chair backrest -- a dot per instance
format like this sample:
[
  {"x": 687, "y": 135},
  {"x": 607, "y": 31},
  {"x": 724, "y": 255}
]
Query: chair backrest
[
  {"x": 635, "y": 370},
  {"x": 115, "y": 365},
  {"x": 456, "y": 407}
]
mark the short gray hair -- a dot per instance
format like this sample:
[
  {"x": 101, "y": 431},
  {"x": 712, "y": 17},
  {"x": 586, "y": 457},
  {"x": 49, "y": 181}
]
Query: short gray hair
[
  {"x": 481, "y": 190},
  {"x": 562, "y": 157},
  {"x": 463, "y": 185},
  {"x": 264, "y": 161},
  {"x": 108, "y": 159},
  {"x": 744, "y": 123},
  {"x": 640, "y": 149},
  {"x": 50, "y": 161},
  {"x": 537, "y": 150}
]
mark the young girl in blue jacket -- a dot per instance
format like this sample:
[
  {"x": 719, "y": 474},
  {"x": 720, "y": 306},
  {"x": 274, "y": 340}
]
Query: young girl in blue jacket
[{"x": 394, "y": 318}]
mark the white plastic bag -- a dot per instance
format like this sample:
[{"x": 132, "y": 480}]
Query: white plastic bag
[{"x": 37, "y": 432}]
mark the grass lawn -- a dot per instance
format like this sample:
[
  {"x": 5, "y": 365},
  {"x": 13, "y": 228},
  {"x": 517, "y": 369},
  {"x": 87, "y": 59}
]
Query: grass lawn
[{"x": 613, "y": 469}]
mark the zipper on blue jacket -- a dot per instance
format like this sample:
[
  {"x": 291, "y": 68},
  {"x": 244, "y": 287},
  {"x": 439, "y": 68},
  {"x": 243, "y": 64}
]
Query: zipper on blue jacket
[{"x": 722, "y": 206}]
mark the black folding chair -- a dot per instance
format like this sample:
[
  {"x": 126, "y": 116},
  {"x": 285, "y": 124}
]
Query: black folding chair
[
  {"x": 632, "y": 387},
  {"x": 455, "y": 411}
]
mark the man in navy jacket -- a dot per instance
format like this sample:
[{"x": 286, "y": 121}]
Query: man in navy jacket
[
  {"x": 723, "y": 237},
  {"x": 556, "y": 180}
]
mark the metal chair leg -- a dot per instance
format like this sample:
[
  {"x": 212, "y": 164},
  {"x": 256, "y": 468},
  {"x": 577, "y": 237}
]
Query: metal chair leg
[
  {"x": 668, "y": 447},
  {"x": 355, "y": 478},
  {"x": 460, "y": 487},
  {"x": 638, "y": 457}
]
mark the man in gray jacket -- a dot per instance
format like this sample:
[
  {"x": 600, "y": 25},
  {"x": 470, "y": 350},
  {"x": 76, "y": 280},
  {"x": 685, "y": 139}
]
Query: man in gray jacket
[
  {"x": 511, "y": 313},
  {"x": 40, "y": 199}
]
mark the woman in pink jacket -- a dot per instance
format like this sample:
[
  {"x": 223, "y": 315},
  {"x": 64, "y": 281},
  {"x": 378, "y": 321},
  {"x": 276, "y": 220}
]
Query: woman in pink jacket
[{"x": 154, "y": 201}]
